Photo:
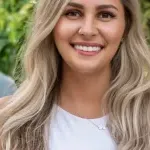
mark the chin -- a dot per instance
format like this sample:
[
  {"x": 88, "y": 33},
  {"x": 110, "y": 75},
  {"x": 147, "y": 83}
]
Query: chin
[{"x": 87, "y": 70}]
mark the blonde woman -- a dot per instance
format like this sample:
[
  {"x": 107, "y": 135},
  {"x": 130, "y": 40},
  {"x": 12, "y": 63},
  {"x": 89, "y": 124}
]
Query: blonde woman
[{"x": 85, "y": 87}]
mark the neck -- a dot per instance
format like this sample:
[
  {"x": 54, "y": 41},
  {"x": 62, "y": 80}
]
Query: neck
[{"x": 82, "y": 95}]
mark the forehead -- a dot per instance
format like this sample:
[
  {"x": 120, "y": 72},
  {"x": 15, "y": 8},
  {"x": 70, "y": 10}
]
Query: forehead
[{"x": 93, "y": 3}]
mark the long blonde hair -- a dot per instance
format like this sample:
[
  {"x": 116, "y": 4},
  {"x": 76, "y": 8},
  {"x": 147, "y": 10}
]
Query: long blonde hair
[{"x": 23, "y": 120}]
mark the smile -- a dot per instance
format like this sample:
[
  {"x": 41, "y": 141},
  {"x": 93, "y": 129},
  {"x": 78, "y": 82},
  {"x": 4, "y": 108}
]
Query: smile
[{"x": 87, "y": 48}]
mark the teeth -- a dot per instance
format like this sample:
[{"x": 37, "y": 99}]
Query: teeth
[{"x": 87, "y": 48}]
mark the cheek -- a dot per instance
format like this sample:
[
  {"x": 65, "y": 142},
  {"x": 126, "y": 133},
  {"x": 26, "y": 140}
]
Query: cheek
[
  {"x": 113, "y": 33},
  {"x": 64, "y": 29}
]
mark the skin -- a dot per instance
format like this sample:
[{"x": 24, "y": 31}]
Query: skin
[{"x": 87, "y": 78}]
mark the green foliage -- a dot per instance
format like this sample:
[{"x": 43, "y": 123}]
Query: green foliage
[
  {"x": 145, "y": 4},
  {"x": 13, "y": 19},
  {"x": 14, "y": 15}
]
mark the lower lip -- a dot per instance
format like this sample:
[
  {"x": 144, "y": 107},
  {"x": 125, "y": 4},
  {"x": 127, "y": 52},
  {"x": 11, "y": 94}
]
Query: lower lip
[{"x": 85, "y": 53}]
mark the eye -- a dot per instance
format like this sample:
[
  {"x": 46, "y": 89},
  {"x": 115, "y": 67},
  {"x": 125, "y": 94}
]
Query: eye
[
  {"x": 106, "y": 16},
  {"x": 73, "y": 14}
]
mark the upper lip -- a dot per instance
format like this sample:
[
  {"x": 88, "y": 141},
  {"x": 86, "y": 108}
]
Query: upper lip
[{"x": 87, "y": 44}]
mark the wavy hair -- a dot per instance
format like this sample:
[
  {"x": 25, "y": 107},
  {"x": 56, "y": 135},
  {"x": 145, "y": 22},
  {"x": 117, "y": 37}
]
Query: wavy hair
[{"x": 23, "y": 120}]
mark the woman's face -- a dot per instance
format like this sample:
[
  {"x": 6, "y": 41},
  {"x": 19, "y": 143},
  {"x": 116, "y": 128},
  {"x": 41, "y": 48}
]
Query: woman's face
[{"x": 89, "y": 33}]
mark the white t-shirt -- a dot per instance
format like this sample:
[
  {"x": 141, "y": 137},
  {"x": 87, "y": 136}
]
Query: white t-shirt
[{"x": 69, "y": 132}]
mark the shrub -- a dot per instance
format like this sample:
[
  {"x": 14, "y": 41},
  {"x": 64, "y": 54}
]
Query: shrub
[{"x": 13, "y": 19}]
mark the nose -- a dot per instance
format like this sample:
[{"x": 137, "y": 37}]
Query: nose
[{"x": 88, "y": 27}]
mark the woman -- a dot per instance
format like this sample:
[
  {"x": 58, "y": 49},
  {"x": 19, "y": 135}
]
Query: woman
[{"x": 84, "y": 86}]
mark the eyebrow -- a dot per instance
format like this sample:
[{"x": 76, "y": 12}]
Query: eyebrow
[{"x": 104, "y": 6}]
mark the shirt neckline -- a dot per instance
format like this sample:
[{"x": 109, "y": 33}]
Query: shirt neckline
[{"x": 98, "y": 121}]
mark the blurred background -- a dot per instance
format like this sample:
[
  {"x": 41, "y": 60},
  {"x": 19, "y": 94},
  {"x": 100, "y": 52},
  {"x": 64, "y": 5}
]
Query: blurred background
[{"x": 14, "y": 18}]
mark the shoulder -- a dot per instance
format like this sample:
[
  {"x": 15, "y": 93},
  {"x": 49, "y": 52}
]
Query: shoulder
[
  {"x": 7, "y": 85},
  {"x": 4, "y": 101},
  {"x": 5, "y": 78}
]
